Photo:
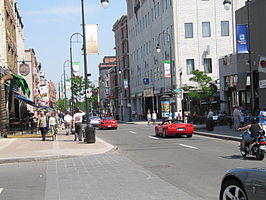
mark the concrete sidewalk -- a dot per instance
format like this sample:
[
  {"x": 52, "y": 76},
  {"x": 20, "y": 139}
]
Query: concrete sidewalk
[{"x": 33, "y": 149}]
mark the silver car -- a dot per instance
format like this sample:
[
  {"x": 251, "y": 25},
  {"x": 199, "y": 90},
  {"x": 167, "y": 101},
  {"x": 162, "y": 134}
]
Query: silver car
[
  {"x": 95, "y": 120},
  {"x": 244, "y": 184}
]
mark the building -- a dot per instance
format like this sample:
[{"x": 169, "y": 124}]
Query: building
[
  {"x": 193, "y": 34},
  {"x": 108, "y": 63},
  {"x": 121, "y": 46},
  {"x": 243, "y": 78},
  {"x": 52, "y": 93}
]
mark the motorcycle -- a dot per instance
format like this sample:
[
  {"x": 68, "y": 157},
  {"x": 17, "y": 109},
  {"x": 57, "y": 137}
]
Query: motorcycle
[{"x": 256, "y": 148}]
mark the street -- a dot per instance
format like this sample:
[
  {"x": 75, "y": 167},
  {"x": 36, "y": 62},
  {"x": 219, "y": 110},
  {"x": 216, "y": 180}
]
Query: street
[{"x": 143, "y": 167}]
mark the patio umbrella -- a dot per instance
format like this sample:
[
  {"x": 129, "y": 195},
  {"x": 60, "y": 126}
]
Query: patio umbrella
[{"x": 45, "y": 109}]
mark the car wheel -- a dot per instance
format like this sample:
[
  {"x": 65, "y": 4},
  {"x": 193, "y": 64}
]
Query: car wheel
[
  {"x": 189, "y": 136},
  {"x": 232, "y": 189},
  {"x": 156, "y": 132},
  {"x": 164, "y": 133}
]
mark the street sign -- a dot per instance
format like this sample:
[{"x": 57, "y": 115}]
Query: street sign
[
  {"x": 146, "y": 81},
  {"x": 177, "y": 90}
]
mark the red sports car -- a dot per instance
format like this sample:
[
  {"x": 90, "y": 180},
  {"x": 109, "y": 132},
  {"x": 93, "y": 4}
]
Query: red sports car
[
  {"x": 173, "y": 128},
  {"x": 108, "y": 122}
]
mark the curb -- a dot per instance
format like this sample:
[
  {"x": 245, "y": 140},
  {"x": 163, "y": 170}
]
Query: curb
[
  {"x": 223, "y": 137},
  {"x": 110, "y": 147}
]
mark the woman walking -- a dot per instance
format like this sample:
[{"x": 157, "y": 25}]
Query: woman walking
[
  {"x": 53, "y": 122},
  {"x": 42, "y": 124}
]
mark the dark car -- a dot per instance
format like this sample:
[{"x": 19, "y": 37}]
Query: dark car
[{"x": 244, "y": 184}]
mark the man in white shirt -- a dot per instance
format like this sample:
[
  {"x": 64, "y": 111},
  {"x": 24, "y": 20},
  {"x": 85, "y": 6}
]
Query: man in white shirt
[
  {"x": 78, "y": 117},
  {"x": 68, "y": 123}
]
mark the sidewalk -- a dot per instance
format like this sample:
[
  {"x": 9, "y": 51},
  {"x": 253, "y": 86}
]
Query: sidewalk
[{"x": 33, "y": 149}]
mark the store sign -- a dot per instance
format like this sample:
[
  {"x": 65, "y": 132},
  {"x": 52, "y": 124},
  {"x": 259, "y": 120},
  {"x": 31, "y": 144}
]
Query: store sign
[
  {"x": 167, "y": 69},
  {"x": 24, "y": 69},
  {"x": 146, "y": 81},
  {"x": 262, "y": 64},
  {"x": 262, "y": 84},
  {"x": 148, "y": 92}
]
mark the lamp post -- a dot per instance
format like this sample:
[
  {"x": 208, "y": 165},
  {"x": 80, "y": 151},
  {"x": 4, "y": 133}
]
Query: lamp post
[
  {"x": 104, "y": 4},
  {"x": 158, "y": 49},
  {"x": 228, "y": 3}
]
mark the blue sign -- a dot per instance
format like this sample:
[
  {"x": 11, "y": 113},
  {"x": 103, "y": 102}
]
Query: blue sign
[
  {"x": 146, "y": 81},
  {"x": 242, "y": 38}
]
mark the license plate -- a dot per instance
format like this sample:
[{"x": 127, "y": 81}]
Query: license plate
[
  {"x": 263, "y": 147},
  {"x": 180, "y": 129},
  {"x": 109, "y": 126}
]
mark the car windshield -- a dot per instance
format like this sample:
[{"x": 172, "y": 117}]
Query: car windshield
[
  {"x": 172, "y": 122},
  {"x": 108, "y": 118},
  {"x": 95, "y": 117}
]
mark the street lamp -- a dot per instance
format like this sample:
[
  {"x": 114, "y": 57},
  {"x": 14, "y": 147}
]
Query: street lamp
[
  {"x": 158, "y": 49},
  {"x": 105, "y": 3},
  {"x": 227, "y": 4}
]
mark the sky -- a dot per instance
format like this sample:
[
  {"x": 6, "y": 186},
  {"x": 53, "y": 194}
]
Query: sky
[{"x": 48, "y": 25}]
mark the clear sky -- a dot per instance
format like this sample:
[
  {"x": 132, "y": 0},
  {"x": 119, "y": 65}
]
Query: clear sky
[{"x": 48, "y": 25}]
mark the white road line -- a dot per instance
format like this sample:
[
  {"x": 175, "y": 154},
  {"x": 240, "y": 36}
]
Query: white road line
[
  {"x": 1, "y": 189},
  {"x": 133, "y": 132},
  {"x": 184, "y": 145},
  {"x": 154, "y": 138}
]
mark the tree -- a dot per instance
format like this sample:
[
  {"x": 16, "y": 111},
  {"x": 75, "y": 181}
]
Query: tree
[
  {"x": 62, "y": 105},
  {"x": 202, "y": 90}
]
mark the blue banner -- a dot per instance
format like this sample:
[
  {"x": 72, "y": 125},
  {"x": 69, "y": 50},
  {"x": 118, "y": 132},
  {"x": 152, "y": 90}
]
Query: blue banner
[{"x": 242, "y": 38}]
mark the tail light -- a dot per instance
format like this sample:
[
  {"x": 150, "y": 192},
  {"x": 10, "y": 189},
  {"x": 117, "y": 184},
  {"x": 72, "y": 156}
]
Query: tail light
[{"x": 262, "y": 143}]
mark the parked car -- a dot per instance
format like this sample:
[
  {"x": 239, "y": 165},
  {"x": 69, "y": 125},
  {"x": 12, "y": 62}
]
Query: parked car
[
  {"x": 108, "y": 123},
  {"x": 174, "y": 128},
  {"x": 95, "y": 120},
  {"x": 244, "y": 184}
]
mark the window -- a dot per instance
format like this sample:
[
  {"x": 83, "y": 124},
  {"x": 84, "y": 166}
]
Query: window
[
  {"x": 190, "y": 66},
  {"x": 207, "y": 65},
  {"x": 224, "y": 28},
  {"x": 158, "y": 7},
  {"x": 188, "y": 30},
  {"x": 206, "y": 29},
  {"x": 152, "y": 14}
]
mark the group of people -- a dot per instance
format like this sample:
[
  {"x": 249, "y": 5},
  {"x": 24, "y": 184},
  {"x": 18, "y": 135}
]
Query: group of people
[{"x": 152, "y": 116}]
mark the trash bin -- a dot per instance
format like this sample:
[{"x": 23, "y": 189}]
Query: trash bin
[{"x": 89, "y": 134}]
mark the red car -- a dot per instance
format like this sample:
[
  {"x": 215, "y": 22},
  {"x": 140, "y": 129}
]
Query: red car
[
  {"x": 174, "y": 128},
  {"x": 108, "y": 122}
]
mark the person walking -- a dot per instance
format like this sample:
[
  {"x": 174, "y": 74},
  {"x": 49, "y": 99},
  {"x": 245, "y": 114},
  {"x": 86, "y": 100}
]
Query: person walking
[
  {"x": 236, "y": 117},
  {"x": 209, "y": 123},
  {"x": 68, "y": 123},
  {"x": 262, "y": 118},
  {"x": 42, "y": 124},
  {"x": 149, "y": 116},
  {"x": 154, "y": 117},
  {"x": 53, "y": 122},
  {"x": 78, "y": 116}
]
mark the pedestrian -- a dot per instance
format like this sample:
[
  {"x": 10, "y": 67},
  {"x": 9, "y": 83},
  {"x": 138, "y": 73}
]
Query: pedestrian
[
  {"x": 53, "y": 122},
  {"x": 179, "y": 115},
  {"x": 262, "y": 118},
  {"x": 149, "y": 116},
  {"x": 170, "y": 116},
  {"x": 68, "y": 123},
  {"x": 209, "y": 123},
  {"x": 242, "y": 117},
  {"x": 236, "y": 117},
  {"x": 42, "y": 124},
  {"x": 154, "y": 117},
  {"x": 78, "y": 117}
]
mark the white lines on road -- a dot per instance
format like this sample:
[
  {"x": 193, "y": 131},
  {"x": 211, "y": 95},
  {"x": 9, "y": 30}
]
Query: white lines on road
[
  {"x": 133, "y": 132},
  {"x": 154, "y": 138},
  {"x": 191, "y": 147},
  {"x": 1, "y": 190}
]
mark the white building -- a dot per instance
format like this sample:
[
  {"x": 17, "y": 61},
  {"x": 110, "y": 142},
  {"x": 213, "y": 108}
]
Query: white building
[{"x": 200, "y": 32}]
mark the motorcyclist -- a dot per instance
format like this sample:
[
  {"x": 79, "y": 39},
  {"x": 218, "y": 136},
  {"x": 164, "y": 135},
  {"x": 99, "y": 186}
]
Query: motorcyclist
[{"x": 252, "y": 134}]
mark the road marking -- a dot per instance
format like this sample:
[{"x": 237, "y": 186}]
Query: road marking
[
  {"x": 1, "y": 189},
  {"x": 133, "y": 132},
  {"x": 184, "y": 145},
  {"x": 154, "y": 138}
]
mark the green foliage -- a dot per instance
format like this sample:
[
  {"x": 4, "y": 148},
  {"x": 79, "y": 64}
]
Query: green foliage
[
  {"x": 202, "y": 90},
  {"x": 62, "y": 105}
]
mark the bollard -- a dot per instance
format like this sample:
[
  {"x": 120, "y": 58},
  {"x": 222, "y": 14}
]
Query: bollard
[{"x": 89, "y": 134}]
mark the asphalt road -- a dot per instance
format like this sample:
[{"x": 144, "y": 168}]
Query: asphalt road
[
  {"x": 195, "y": 165},
  {"x": 143, "y": 167}
]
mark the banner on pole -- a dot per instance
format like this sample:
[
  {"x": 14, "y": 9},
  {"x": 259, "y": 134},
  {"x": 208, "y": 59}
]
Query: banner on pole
[
  {"x": 91, "y": 38},
  {"x": 167, "y": 69},
  {"x": 126, "y": 83},
  {"x": 75, "y": 66},
  {"x": 242, "y": 38},
  {"x": 68, "y": 86}
]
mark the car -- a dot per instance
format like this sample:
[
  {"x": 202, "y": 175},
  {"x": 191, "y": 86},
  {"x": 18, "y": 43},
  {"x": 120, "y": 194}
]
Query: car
[
  {"x": 95, "y": 120},
  {"x": 244, "y": 184},
  {"x": 174, "y": 128},
  {"x": 108, "y": 122}
]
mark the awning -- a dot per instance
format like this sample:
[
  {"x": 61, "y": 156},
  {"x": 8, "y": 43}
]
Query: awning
[
  {"x": 213, "y": 102},
  {"x": 28, "y": 101},
  {"x": 241, "y": 81}
]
